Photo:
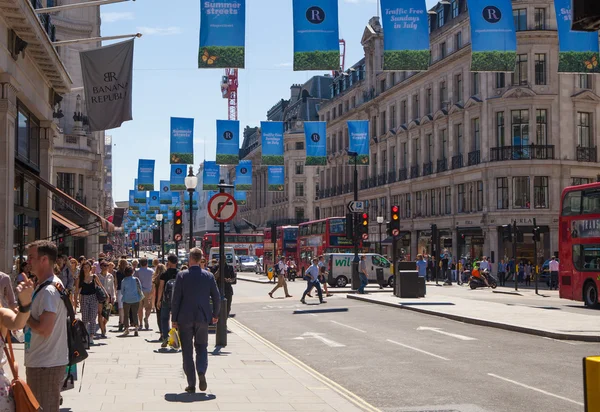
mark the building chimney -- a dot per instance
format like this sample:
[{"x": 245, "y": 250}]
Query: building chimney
[{"x": 295, "y": 92}]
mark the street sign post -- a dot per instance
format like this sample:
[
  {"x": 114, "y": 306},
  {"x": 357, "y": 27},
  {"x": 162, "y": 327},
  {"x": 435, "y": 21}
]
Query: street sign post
[
  {"x": 356, "y": 206},
  {"x": 222, "y": 207},
  {"x": 365, "y": 236}
]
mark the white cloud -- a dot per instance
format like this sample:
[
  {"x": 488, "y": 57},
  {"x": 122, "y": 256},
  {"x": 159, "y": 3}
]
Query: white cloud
[
  {"x": 159, "y": 31},
  {"x": 284, "y": 65},
  {"x": 111, "y": 17}
]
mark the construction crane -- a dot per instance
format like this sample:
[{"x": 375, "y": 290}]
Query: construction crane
[{"x": 229, "y": 89}]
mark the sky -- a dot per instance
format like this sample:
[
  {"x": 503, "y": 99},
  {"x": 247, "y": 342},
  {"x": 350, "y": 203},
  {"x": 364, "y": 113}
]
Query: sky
[{"x": 167, "y": 82}]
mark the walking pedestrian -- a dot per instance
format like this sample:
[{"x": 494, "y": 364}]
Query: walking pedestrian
[
  {"x": 165, "y": 296},
  {"x": 158, "y": 272},
  {"x": 131, "y": 290},
  {"x": 313, "y": 273},
  {"x": 120, "y": 275},
  {"x": 46, "y": 346},
  {"x": 229, "y": 277},
  {"x": 323, "y": 275},
  {"x": 363, "y": 275},
  {"x": 281, "y": 281},
  {"x": 144, "y": 274},
  {"x": 553, "y": 267},
  {"x": 108, "y": 283},
  {"x": 194, "y": 289},
  {"x": 502, "y": 272},
  {"x": 85, "y": 296}
]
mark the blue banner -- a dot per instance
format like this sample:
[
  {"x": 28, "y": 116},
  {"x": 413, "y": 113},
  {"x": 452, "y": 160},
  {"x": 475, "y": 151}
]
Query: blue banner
[
  {"x": 275, "y": 178},
  {"x": 358, "y": 134},
  {"x": 222, "y": 34},
  {"x": 316, "y": 35},
  {"x": 211, "y": 175},
  {"x": 272, "y": 143},
  {"x": 577, "y": 50},
  {"x": 240, "y": 198},
  {"x": 154, "y": 201},
  {"x": 228, "y": 142},
  {"x": 165, "y": 192},
  {"x": 316, "y": 143},
  {"x": 140, "y": 197},
  {"x": 178, "y": 177},
  {"x": 493, "y": 37},
  {"x": 195, "y": 201},
  {"x": 406, "y": 40},
  {"x": 175, "y": 201},
  {"x": 145, "y": 174},
  {"x": 243, "y": 176},
  {"x": 170, "y": 216},
  {"x": 182, "y": 141},
  {"x": 164, "y": 209},
  {"x": 132, "y": 204}
]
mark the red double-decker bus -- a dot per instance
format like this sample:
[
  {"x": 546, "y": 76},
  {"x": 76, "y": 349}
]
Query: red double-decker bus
[
  {"x": 322, "y": 236},
  {"x": 242, "y": 244},
  {"x": 579, "y": 244},
  {"x": 287, "y": 244}
]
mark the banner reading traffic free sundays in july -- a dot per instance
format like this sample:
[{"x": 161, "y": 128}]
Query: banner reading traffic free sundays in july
[
  {"x": 182, "y": 141},
  {"x": 275, "y": 178},
  {"x": 177, "y": 177},
  {"x": 358, "y": 133},
  {"x": 240, "y": 197},
  {"x": 578, "y": 51},
  {"x": 222, "y": 34},
  {"x": 243, "y": 176},
  {"x": 211, "y": 175},
  {"x": 406, "y": 40},
  {"x": 154, "y": 201},
  {"x": 316, "y": 148},
  {"x": 145, "y": 174},
  {"x": 165, "y": 192},
  {"x": 272, "y": 143},
  {"x": 493, "y": 37},
  {"x": 316, "y": 35},
  {"x": 228, "y": 142}
]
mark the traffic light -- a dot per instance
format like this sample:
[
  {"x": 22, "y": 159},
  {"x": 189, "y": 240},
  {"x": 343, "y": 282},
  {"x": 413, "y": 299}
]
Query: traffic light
[
  {"x": 434, "y": 233},
  {"x": 350, "y": 225},
  {"x": 178, "y": 225},
  {"x": 363, "y": 223},
  {"x": 507, "y": 233},
  {"x": 536, "y": 231},
  {"x": 395, "y": 219},
  {"x": 273, "y": 233}
]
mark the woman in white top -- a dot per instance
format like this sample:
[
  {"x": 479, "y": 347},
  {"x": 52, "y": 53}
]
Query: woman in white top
[{"x": 108, "y": 282}]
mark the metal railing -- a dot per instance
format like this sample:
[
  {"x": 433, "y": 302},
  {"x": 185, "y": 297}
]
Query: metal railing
[
  {"x": 414, "y": 172},
  {"x": 402, "y": 175},
  {"x": 457, "y": 161},
  {"x": 392, "y": 176},
  {"x": 442, "y": 165},
  {"x": 525, "y": 152},
  {"x": 381, "y": 179},
  {"x": 427, "y": 168},
  {"x": 474, "y": 158},
  {"x": 587, "y": 154}
]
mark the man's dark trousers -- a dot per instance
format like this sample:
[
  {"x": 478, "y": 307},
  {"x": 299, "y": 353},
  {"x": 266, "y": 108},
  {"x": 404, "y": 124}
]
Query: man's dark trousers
[
  {"x": 165, "y": 314},
  {"x": 198, "y": 332},
  {"x": 317, "y": 286}
]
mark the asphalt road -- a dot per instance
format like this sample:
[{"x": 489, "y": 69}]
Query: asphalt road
[{"x": 404, "y": 361}]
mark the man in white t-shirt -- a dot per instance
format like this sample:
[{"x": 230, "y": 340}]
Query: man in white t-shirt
[{"x": 46, "y": 346}]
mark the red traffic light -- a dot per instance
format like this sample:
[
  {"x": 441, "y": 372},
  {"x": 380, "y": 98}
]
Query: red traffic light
[
  {"x": 395, "y": 209},
  {"x": 365, "y": 216},
  {"x": 178, "y": 213}
]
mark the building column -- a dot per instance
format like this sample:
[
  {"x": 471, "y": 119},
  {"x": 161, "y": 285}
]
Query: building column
[
  {"x": 491, "y": 244},
  {"x": 413, "y": 245},
  {"x": 48, "y": 133}
]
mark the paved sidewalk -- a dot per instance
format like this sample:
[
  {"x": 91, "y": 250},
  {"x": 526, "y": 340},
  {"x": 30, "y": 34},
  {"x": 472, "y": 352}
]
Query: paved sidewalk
[
  {"x": 490, "y": 310},
  {"x": 251, "y": 374}
]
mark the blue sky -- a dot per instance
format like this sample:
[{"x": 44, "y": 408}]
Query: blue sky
[{"x": 168, "y": 84}]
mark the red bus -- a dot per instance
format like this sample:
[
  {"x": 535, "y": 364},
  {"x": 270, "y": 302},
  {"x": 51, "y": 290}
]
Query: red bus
[
  {"x": 287, "y": 244},
  {"x": 579, "y": 244},
  {"x": 243, "y": 244},
  {"x": 322, "y": 236}
]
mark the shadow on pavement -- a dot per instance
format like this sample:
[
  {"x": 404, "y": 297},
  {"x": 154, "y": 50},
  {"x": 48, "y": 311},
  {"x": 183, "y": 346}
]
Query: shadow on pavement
[
  {"x": 303, "y": 312},
  {"x": 426, "y": 303},
  {"x": 189, "y": 397}
]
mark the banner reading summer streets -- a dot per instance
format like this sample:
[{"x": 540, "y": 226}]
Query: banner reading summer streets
[
  {"x": 222, "y": 34},
  {"x": 228, "y": 142},
  {"x": 177, "y": 178},
  {"x": 275, "y": 178},
  {"x": 154, "y": 201},
  {"x": 358, "y": 133},
  {"x": 316, "y": 148},
  {"x": 165, "y": 192},
  {"x": 240, "y": 197},
  {"x": 145, "y": 174},
  {"x": 578, "y": 51},
  {"x": 140, "y": 195},
  {"x": 493, "y": 37},
  {"x": 211, "y": 175},
  {"x": 132, "y": 204},
  {"x": 243, "y": 176},
  {"x": 272, "y": 143},
  {"x": 406, "y": 43},
  {"x": 316, "y": 35},
  {"x": 182, "y": 141}
]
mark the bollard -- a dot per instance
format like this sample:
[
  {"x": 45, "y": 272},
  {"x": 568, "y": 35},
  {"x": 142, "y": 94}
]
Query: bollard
[{"x": 591, "y": 383}]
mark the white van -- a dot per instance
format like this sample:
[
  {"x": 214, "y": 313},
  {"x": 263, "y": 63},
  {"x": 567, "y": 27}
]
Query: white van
[
  {"x": 230, "y": 256},
  {"x": 339, "y": 266}
]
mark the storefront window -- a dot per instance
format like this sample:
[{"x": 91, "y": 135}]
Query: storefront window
[
  {"x": 502, "y": 192},
  {"x": 521, "y": 192},
  {"x": 27, "y": 135},
  {"x": 540, "y": 192}
]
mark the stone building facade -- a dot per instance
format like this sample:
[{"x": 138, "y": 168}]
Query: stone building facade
[{"x": 469, "y": 152}]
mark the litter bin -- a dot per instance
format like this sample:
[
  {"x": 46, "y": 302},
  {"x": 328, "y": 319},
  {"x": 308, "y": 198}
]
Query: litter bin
[
  {"x": 422, "y": 287},
  {"x": 379, "y": 272},
  {"x": 408, "y": 284}
]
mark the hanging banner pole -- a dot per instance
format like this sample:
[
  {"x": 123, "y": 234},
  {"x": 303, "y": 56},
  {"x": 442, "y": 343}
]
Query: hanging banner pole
[
  {"x": 55, "y": 9},
  {"x": 95, "y": 39}
]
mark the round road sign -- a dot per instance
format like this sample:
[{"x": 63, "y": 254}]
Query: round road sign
[
  {"x": 395, "y": 232},
  {"x": 177, "y": 237},
  {"x": 365, "y": 236},
  {"x": 222, "y": 207}
]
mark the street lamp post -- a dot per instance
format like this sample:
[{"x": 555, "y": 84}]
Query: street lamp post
[
  {"x": 191, "y": 182},
  {"x": 380, "y": 222},
  {"x": 355, "y": 277},
  {"x": 221, "y": 336},
  {"x": 159, "y": 219},
  {"x": 137, "y": 251}
]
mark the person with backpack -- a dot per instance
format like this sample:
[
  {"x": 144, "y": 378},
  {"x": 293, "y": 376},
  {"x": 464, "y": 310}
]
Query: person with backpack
[{"x": 165, "y": 296}]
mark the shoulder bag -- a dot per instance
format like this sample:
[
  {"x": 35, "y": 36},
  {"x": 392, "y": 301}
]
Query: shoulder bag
[
  {"x": 101, "y": 294},
  {"x": 25, "y": 400}
]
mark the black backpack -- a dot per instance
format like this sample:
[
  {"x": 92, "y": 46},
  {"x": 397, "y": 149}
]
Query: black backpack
[{"x": 167, "y": 296}]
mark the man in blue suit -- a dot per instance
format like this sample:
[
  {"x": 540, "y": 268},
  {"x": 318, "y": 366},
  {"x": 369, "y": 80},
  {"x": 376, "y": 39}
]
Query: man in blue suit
[{"x": 191, "y": 315}]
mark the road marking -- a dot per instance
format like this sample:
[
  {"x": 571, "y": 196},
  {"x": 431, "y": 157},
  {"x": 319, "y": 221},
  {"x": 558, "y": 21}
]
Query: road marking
[
  {"x": 345, "y": 393},
  {"x": 440, "y": 331},
  {"x": 320, "y": 337},
  {"x": 562, "y": 341},
  {"x": 535, "y": 389},
  {"x": 417, "y": 349},
  {"x": 349, "y": 327}
]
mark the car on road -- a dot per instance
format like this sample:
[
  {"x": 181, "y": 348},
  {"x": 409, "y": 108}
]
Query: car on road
[{"x": 248, "y": 264}]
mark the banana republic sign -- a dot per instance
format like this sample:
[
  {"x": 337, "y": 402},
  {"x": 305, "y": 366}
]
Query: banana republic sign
[{"x": 107, "y": 81}]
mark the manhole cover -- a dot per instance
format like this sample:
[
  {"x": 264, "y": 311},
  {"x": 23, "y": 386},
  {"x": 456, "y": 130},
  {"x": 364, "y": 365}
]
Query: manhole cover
[{"x": 159, "y": 372}]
